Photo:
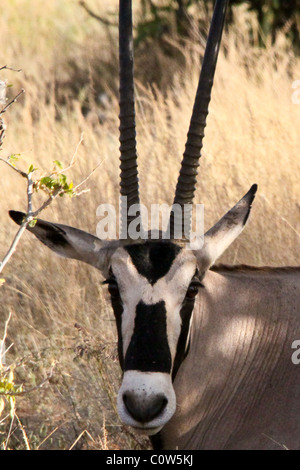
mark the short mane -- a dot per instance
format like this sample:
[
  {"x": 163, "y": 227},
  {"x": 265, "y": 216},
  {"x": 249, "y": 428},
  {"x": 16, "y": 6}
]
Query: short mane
[{"x": 257, "y": 269}]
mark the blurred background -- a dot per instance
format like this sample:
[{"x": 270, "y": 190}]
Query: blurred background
[{"x": 61, "y": 329}]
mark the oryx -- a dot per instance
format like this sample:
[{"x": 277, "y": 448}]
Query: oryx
[{"x": 205, "y": 353}]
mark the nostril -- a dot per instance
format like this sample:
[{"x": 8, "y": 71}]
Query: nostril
[{"x": 144, "y": 409}]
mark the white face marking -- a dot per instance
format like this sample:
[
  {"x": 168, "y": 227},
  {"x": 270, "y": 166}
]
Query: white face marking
[
  {"x": 135, "y": 288},
  {"x": 145, "y": 385}
]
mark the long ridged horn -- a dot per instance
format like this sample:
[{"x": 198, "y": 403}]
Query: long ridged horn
[
  {"x": 129, "y": 185},
  {"x": 187, "y": 179}
]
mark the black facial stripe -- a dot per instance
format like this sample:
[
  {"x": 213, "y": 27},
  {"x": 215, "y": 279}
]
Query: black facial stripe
[
  {"x": 182, "y": 347},
  {"x": 153, "y": 260},
  {"x": 148, "y": 350},
  {"x": 118, "y": 310}
]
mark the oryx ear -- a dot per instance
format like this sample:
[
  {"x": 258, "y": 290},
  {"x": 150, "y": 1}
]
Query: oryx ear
[
  {"x": 70, "y": 242},
  {"x": 224, "y": 232}
]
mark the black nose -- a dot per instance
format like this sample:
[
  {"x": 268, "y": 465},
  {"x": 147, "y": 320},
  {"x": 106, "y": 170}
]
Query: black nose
[{"x": 144, "y": 409}]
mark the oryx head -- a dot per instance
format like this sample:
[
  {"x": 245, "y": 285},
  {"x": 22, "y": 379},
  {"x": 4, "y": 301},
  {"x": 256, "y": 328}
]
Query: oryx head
[{"x": 153, "y": 284}]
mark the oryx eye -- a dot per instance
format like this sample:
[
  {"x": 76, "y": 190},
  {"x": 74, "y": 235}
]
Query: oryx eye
[
  {"x": 113, "y": 288},
  {"x": 193, "y": 289}
]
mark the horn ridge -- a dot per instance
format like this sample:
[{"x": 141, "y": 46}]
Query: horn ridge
[
  {"x": 129, "y": 185},
  {"x": 186, "y": 184}
]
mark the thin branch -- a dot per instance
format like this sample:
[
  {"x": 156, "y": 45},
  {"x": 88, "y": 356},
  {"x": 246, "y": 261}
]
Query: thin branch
[
  {"x": 88, "y": 176},
  {"x": 9, "y": 432},
  {"x": 13, "y": 246},
  {"x": 28, "y": 217},
  {"x": 29, "y": 195},
  {"x": 280, "y": 216},
  {"x": 50, "y": 434},
  {"x": 85, "y": 431},
  {"x": 72, "y": 161},
  {"x": 25, "y": 438},
  {"x": 4, "y": 419},
  {"x": 22, "y": 173},
  {"x": 12, "y": 101},
  {"x": 97, "y": 17},
  {"x": 45, "y": 204},
  {"x": 5, "y": 67}
]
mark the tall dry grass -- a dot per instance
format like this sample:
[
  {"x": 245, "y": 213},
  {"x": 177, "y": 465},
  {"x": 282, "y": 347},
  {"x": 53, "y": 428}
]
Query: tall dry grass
[{"x": 252, "y": 137}]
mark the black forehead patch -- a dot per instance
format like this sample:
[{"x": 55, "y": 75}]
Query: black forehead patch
[
  {"x": 153, "y": 259},
  {"x": 148, "y": 350}
]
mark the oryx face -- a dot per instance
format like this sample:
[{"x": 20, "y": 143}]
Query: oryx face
[{"x": 153, "y": 286}]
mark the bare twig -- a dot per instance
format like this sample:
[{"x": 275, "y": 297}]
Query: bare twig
[
  {"x": 85, "y": 431},
  {"x": 72, "y": 161},
  {"x": 97, "y": 17},
  {"x": 22, "y": 173},
  {"x": 280, "y": 216},
  {"x": 50, "y": 434},
  {"x": 4, "y": 419},
  {"x": 13, "y": 246},
  {"x": 5, "y": 67},
  {"x": 12, "y": 101},
  {"x": 25, "y": 438},
  {"x": 9, "y": 432},
  {"x": 29, "y": 195},
  {"x": 87, "y": 177},
  {"x": 45, "y": 204},
  {"x": 27, "y": 219}
]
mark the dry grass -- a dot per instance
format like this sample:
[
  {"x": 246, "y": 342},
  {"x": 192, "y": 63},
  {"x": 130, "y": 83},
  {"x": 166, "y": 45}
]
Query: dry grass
[{"x": 252, "y": 136}]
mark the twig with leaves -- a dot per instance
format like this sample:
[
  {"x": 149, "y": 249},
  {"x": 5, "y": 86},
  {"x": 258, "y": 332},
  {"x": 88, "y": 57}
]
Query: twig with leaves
[{"x": 55, "y": 184}]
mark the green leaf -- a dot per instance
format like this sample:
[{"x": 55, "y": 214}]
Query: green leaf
[
  {"x": 14, "y": 157},
  {"x": 58, "y": 163},
  {"x": 48, "y": 182},
  {"x": 32, "y": 223},
  {"x": 62, "y": 179},
  {"x": 31, "y": 169}
]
